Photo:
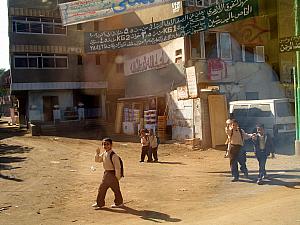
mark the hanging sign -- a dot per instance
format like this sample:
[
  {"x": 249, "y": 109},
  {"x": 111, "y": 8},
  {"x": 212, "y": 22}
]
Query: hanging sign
[
  {"x": 89, "y": 10},
  {"x": 153, "y": 60},
  {"x": 188, "y": 24},
  {"x": 191, "y": 81},
  {"x": 289, "y": 44}
]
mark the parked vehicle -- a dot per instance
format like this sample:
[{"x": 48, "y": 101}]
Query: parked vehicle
[{"x": 278, "y": 115}]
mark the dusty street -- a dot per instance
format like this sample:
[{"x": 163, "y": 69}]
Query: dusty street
[{"x": 49, "y": 180}]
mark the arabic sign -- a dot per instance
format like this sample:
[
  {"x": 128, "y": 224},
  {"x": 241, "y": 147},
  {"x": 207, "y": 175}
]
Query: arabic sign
[
  {"x": 88, "y": 10},
  {"x": 289, "y": 44},
  {"x": 157, "y": 32},
  {"x": 216, "y": 69},
  {"x": 153, "y": 60},
  {"x": 191, "y": 82}
]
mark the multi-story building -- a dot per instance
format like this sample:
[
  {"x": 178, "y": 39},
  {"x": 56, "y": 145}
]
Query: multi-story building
[{"x": 49, "y": 68}]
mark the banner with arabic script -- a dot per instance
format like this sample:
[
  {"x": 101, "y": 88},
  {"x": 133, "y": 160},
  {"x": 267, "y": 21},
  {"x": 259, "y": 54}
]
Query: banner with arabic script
[
  {"x": 157, "y": 32},
  {"x": 89, "y": 10},
  {"x": 289, "y": 44}
]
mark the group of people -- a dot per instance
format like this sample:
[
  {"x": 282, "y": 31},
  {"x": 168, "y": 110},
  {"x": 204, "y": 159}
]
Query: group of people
[
  {"x": 262, "y": 144},
  {"x": 149, "y": 143}
]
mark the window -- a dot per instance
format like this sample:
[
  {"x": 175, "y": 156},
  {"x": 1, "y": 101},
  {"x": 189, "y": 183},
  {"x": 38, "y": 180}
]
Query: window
[
  {"x": 253, "y": 53},
  {"x": 225, "y": 46},
  {"x": 240, "y": 111},
  {"x": 260, "y": 110},
  {"x": 260, "y": 54},
  {"x": 211, "y": 45},
  {"x": 284, "y": 109},
  {"x": 98, "y": 59},
  {"x": 40, "y": 61},
  {"x": 38, "y": 25},
  {"x": 79, "y": 60}
]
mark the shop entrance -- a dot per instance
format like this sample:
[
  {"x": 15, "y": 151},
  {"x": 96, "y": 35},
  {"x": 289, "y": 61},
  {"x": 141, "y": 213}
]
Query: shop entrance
[{"x": 48, "y": 103}]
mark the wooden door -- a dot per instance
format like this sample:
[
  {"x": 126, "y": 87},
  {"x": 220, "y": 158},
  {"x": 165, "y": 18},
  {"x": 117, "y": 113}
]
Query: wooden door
[
  {"x": 218, "y": 114},
  {"x": 48, "y": 103}
]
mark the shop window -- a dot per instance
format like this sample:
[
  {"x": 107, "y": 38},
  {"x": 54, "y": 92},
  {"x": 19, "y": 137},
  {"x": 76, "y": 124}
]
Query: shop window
[{"x": 79, "y": 60}]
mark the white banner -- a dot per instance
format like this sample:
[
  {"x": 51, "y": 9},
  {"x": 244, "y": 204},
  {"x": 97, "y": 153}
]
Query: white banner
[
  {"x": 152, "y": 60},
  {"x": 89, "y": 10},
  {"x": 191, "y": 80}
]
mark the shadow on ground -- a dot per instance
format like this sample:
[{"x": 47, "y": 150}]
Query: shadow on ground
[
  {"x": 149, "y": 215},
  {"x": 275, "y": 177}
]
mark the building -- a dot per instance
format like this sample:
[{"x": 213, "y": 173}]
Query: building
[{"x": 50, "y": 70}]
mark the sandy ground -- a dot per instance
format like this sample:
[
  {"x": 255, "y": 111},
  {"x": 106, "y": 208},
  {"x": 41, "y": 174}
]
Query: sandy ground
[{"x": 49, "y": 180}]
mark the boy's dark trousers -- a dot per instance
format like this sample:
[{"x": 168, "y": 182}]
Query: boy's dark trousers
[
  {"x": 262, "y": 159},
  {"x": 109, "y": 180},
  {"x": 145, "y": 151},
  {"x": 233, "y": 157},
  {"x": 154, "y": 152},
  {"x": 242, "y": 158}
]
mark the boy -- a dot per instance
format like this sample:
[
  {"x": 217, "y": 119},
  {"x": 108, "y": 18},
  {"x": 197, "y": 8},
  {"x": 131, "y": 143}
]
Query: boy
[
  {"x": 112, "y": 175},
  {"x": 153, "y": 146},
  {"x": 263, "y": 147},
  {"x": 236, "y": 138}
]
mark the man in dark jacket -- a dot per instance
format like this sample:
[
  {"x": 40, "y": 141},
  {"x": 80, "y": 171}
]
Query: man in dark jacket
[{"x": 263, "y": 147}]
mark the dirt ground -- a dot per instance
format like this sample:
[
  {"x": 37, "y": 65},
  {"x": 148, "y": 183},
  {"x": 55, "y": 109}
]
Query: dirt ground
[{"x": 49, "y": 180}]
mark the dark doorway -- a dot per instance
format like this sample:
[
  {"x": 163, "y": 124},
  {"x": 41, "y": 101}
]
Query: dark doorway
[{"x": 48, "y": 103}]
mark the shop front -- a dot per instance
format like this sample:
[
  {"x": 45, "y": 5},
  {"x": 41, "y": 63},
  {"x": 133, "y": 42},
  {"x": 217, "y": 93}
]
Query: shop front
[{"x": 142, "y": 112}]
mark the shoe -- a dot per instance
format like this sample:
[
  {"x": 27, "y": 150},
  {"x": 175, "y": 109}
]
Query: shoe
[
  {"x": 141, "y": 161},
  {"x": 117, "y": 206},
  {"x": 259, "y": 182},
  {"x": 235, "y": 180},
  {"x": 155, "y": 160},
  {"x": 95, "y": 205}
]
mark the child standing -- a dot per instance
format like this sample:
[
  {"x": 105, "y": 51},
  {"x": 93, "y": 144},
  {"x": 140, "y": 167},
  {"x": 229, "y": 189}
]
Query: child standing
[
  {"x": 145, "y": 146},
  {"x": 112, "y": 174},
  {"x": 153, "y": 145}
]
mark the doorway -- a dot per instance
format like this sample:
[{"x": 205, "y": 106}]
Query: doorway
[{"x": 48, "y": 103}]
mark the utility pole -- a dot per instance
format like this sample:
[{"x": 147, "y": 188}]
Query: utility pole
[{"x": 297, "y": 79}]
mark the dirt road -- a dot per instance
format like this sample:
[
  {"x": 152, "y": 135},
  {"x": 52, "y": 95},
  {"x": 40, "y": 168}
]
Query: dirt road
[{"x": 49, "y": 180}]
